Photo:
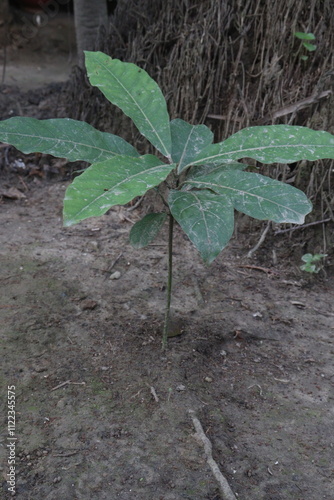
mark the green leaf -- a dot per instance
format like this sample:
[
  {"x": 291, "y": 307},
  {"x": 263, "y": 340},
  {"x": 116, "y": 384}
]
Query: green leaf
[
  {"x": 64, "y": 138},
  {"x": 145, "y": 230},
  {"x": 304, "y": 36},
  {"x": 112, "y": 182},
  {"x": 200, "y": 170},
  {"x": 188, "y": 141},
  {"x": 309, "y": 257},
  {"x": 258, "y": 196},
  {"x": 309, "y": 46},
  {"x": 135, "y": 93},
  {"x": 207, "y": 219},
  {"x": 270, "y": 144}
]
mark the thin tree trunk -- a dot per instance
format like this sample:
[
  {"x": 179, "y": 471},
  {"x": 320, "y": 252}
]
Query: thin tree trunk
[{"x": 89, "y": 18}]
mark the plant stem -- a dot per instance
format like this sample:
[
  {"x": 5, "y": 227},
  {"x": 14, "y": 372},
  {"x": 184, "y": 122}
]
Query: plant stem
[{"x": 169, "y": 280}]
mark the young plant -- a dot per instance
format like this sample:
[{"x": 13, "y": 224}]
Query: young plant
[
  {"x": 205, "y": 182},
  {"x": 311, "y": 261},
  {"x": 306, "y": 39}
]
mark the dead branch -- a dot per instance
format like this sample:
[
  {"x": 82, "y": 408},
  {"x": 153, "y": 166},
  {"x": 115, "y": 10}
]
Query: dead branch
[
  {"x": 296, "y": 106},
  {"x": 261, "y": 240},
  {"x": 281, "y": 231},
  {"x": 224, "y": 487},
  {"x": 67, "y": 382}
]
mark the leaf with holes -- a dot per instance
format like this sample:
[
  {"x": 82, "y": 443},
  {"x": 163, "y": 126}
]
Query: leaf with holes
[
  {"x": 258, "y": 196},
  {"x": 112, "y": 182},
  {"x": 145, "y": 230},
  {"x": 64, "y": 138},
  {"x": 135, "y": 93},
  {"x": 207, "y": 219}
]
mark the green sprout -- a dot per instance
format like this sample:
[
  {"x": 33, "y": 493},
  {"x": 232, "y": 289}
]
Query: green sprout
[
  {"x": 306, "y": 38},
  {"x": 310, "y": 260}
]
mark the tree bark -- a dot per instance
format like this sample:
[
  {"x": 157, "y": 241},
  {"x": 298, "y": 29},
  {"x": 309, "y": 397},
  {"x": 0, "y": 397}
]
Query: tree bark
[{"x": 89, "y": 18}]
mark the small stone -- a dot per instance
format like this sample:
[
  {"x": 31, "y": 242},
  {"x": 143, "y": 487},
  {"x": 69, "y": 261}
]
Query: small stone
[
  {"x": 208, "y": 379},
  {"x": 88, "y": 305},
  {"x": 40, "y": 368},
  {"x": 257, "y": 314},
  {"x": 92, "y": 246},
  {"x": 181, "y": 387},
  {"x": 115, "y": 276}
]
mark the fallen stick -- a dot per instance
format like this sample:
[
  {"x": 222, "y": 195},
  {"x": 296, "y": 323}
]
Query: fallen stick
[
  {"x": 154, "y": 394},
  {"x": 67, "y": 382},
  {"x": 259, "y": 268},
  {"x": 224, "y": 487},
  {"x": 302, "y": 226},
  {"x": 261, "y": 240}
]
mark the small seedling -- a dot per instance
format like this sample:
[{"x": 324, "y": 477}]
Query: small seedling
[
  {"x": 311, "y": 261},
  {"x": 306, "y": 39},
  {"x": 205, "y": 182}
]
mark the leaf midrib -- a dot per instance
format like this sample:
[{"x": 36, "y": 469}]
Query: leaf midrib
[
  {"x": 211, "y": 186},
  {"x": 127, "y": 179},
  {"x": 185, "y": 146},
  {"x": 67, "y": 141},
  {"x": 259, "y": 149},
  {"x": 140, "y": 109}
]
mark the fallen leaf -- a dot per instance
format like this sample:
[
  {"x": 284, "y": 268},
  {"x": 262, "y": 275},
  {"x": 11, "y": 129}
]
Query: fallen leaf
[{"x": 13, "y": 194}]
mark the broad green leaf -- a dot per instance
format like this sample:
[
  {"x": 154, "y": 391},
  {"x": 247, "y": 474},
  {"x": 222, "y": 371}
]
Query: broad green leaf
[
  {"x": 309, "y": 46},
  {"x": 207, "y": 219},
  {"x": 64, "y": 138},
  {"x": 113, "y": 182},
  {"x": 188, "y": 141},
  {"x": 304, "y": 36},
  {"x": 135, "y": 93},
  {"x": 200, "y": 170},
  {"x": 258, "y": 196},
  {"x": 145, "y": 230},
  {"x": 271, "y": 144}
]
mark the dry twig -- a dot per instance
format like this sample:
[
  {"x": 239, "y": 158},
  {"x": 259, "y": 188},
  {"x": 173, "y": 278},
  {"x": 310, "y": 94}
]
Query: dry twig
[
  {"x": 259, "y": 268},
  {"x": 302, "y": 226},
  {"x": 224, "y": 487},
  {"x": 154, "y": 394},
  {"x": 67, "y": 382},
  {"x": 261, "y": 240}
]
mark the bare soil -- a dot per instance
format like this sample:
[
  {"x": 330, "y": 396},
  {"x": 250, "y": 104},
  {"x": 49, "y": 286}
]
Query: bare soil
[
  {"x": 101, "y": 411},
  {"x": 33, "y": 55}
]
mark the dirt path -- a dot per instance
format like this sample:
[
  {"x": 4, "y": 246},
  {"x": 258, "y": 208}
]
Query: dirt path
[
  {"x": 37, "y": 55},
  {"x": 102, "y": 413}
]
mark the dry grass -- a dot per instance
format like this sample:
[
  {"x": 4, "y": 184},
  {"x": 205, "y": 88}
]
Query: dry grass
[{"x": 230, "y": 64}]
